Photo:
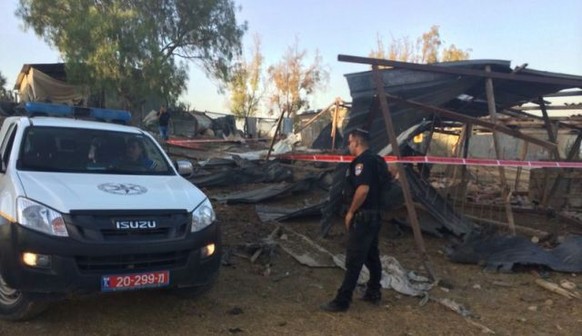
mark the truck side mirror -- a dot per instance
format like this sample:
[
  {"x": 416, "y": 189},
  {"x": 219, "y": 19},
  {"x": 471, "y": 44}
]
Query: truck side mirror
[{"x": 184, "y": 168}]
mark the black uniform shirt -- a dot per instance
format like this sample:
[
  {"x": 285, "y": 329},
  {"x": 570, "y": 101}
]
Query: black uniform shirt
[
  {"x": 163, "y": 118},
  {"x": 364, "y": 171}
]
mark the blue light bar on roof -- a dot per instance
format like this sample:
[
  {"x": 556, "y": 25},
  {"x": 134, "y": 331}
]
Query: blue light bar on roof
[{"x": 34, "y": 109}]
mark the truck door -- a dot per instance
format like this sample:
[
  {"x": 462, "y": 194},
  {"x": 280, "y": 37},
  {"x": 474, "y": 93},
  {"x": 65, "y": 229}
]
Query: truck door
[{"x": 7, "y": 198}]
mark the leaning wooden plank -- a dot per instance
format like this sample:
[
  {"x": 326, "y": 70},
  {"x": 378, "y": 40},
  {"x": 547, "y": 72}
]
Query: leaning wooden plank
[
  {"x": 461, "y": 310},
  {"x": 555, "y": 288},
  {"x": 484, "y": 329},
  {"x": 304, "y": 250}
]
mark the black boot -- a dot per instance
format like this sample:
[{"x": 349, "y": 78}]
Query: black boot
[
  {"x": 335, "y": 306},
  {"x": 373, "y": 297}
]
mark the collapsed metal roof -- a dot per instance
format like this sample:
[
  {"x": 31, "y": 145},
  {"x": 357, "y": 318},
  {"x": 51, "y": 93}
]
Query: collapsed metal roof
[{"x": 455, "y": 86}]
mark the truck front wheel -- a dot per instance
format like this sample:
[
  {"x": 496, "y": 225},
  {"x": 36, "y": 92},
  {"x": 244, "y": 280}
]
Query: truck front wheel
[{"x": 16, "y": 305}]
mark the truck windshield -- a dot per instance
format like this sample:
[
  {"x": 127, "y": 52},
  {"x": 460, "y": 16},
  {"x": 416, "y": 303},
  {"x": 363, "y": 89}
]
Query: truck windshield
[{"x": 74, "y": 150}]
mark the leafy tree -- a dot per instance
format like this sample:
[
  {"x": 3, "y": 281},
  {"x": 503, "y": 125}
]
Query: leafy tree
[
  {"x": 452, "y": 53},
  {"x": 2, "y": 86},
  {"x": 138, "y": 48},
  {"x": 431, "y": 43},
  {"x": 426, "y": 49},
  {"x": 244, "y": 83},
  {"x": 294, "y": 81},
  {"x": 4, "y": 93}
]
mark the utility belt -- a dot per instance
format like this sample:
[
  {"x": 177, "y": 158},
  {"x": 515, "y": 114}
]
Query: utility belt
[{"x": 365, "y": 215}]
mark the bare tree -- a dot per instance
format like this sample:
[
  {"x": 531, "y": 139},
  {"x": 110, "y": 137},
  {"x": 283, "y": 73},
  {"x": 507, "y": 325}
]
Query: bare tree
[
  {"x": 426, "y": 49},
  {"x": 294, "y": 81},
  {"x": 245, "y": 82}
]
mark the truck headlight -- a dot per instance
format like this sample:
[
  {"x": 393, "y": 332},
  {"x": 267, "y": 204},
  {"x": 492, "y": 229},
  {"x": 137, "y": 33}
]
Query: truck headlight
[
  {"x": 40, "y": 218},
  {"x": 202, "y": 216}
]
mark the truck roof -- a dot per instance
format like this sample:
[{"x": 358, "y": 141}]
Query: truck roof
[{"x": 75, "y": 123}]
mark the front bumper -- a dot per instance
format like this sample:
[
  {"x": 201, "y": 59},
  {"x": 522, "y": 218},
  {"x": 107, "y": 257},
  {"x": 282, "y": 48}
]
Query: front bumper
[{"x": 78, "y": 267}]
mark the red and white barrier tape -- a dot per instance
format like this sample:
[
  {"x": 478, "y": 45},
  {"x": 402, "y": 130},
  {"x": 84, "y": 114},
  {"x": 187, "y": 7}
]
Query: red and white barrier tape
[
  {"x": 179, "y": 142},
  {"x": 437, "y": 160}
]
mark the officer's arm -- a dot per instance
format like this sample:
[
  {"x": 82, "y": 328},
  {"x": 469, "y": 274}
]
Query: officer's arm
[{"x": 359, "y": 198}]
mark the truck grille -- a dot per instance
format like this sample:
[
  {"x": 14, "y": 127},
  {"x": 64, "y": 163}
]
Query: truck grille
[
  {"x": 99, "y": 226},
  {"x": 131, "y": 262}
]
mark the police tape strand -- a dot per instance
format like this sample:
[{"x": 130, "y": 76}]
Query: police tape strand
[{"x": 436, "y": 160}]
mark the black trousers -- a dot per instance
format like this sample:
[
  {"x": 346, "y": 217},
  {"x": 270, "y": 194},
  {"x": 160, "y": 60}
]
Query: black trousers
[{"x": 362, "y": 250}]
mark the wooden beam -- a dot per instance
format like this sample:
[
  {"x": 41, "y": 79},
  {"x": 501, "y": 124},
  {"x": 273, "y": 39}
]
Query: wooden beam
[
  {"x": 522, "y": 155},
  {"x": 520, "y": 114},
  {"x": 279, "y": 122},
  {"x": 565, "y": 94},
  {"x": 552, "y": 107},
  {"x": 334, "y": 124},
  {"x": 506, "y": 191},
  {"x": 317, "y": 116},
  {"x": 575, "y": 149},
  {"x": 547, "y": 123},
  {"x": 413, "y": 218},
  {"x": 573, "y": 83},
  {"x": 466, "y": 119}
]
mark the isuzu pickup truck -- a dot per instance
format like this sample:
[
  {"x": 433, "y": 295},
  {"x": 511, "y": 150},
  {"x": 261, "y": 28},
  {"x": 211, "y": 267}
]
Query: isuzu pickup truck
[{"x": 93, "y": 206}]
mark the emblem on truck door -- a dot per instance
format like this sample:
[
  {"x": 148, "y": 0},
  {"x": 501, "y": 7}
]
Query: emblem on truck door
[{"x": 122, "y": 188}]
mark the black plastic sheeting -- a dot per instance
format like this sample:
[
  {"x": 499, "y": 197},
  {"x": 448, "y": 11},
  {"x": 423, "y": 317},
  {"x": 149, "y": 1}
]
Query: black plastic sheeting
[
  {"x": 504, "y": 253},
  {"x": 269, "y": 213},
  {"x": 268, "y": 192},
  {"x": 446, "y": 221},
  {"x": 324, "y": 139},
  {"x": 451, "y": 222},
  {"x": 245, "y": 172}
]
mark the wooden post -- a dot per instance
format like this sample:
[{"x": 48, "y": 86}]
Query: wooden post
[
  {"x": 575, "y": 149},
  {"x": 334, "y": 124},
  {"x": 506, "y": 191},
  {"x": 457, "y": 153},
  {"x": 522, "y": 156},
  {"x": 279, "y": 122},
  {"x": 551, "y": 136},
  {"x": 401, "y": 173},
  {"x": 317, "y": 116},
  {"x": 466, "y": 140}
]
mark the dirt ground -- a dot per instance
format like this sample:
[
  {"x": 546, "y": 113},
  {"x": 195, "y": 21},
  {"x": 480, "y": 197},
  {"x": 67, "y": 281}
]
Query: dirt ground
[{"x": 278, "y": 296}]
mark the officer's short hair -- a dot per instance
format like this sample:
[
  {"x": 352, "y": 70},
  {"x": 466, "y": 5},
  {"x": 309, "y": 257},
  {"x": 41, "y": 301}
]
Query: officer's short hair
[{"x": 362, "y": 134}]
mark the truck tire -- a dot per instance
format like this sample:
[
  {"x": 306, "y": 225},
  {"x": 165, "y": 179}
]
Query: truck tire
[{"x": 18, "y": 306}]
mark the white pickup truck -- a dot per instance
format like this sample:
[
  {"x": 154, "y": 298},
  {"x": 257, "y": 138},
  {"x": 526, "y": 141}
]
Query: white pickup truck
[{"x": 89, "y": 206}]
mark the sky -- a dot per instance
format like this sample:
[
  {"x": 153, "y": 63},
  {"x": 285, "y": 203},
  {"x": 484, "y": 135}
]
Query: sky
[{"x": 545, "y": 34}]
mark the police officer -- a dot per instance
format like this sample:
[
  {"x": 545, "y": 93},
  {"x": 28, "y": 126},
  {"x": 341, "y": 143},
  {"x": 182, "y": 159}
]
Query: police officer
[{"x": 362, "y": 221}]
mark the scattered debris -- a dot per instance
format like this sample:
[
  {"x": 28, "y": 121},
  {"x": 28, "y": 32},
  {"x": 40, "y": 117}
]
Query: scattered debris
[
  {"x": 305, "y": 251},
  {"x": 268, "y": 213},
  {"x": 268, "y": 192},
  {"x": 503, "y": 252},
  {"x": 502, "y": 284},
  {"x": 555, "y": 288},
  {"x": 567, "y": 284},
  {"x": 394, "y": 276}
]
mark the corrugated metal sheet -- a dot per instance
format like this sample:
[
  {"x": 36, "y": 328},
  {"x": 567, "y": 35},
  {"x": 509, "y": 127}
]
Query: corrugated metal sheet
[{"x": 439, "y": 89}]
